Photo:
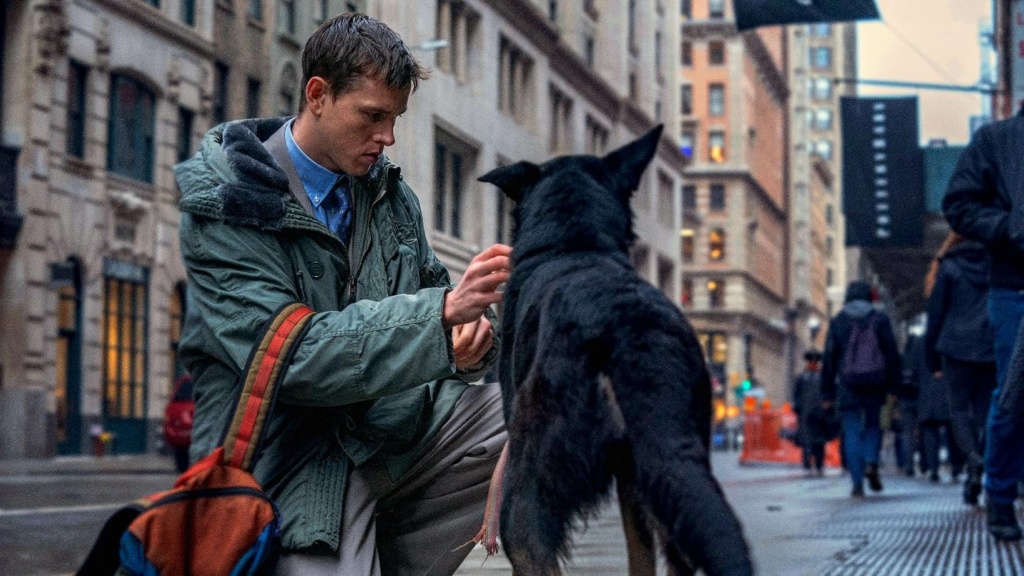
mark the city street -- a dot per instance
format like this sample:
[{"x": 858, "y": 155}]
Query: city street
[{"x": 51, "y": 510}]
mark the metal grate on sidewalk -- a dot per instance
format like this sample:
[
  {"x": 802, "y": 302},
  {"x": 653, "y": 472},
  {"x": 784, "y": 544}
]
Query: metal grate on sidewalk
[{"x": 916, "y": 535}]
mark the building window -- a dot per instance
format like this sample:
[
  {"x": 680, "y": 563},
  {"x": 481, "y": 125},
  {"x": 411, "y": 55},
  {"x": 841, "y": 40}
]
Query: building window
[
  {"x": 716, "y": 245},
  {"x": 453, "y": 163},
  {"x": 716, "y": 293},
  {"x": 256, "y": 9},
  {"x": 514, "y": 81},
  {"x": 666, "y": 199},
  {"x": 640, "y": 257},
  {"x": 716, "y": 100},
  {"x": 252, "y": 98},
  {"x": 78, "y": 87},
  {"x": 286, "y": 11},
  {"x": 176, "y": 319},
  {"x": 597, "y": 137},
  {"x": 686, "y": 8},
  {"x": 717, "y": 199},
  {"x": 829, "y": 214},
  {"x": 688, "y": 141},
  {"x": 821, "y": 89},
  {"x": 657, "y": 54},
  {"x": 561, "y": 121},
  {"x": 631, "y": 23},
  {"x": 829, "y": 277},
  {"x": 666, "y": 273},
  {"x": 634, "y": 87},
  {"x": 69, "y": 355},
  {"x": 823, "y": 119},
  {"x": 716, "y": 9},
  {"x": 504, "y": 229},
  {"x": 132, "y": 122},
  {"x": 687, "y": 296},
  {"x": 124, "y": 343},
  {"x": 353, "y": 7},
  {"x": 830, "y": 246},
  {"x": 716, "y": 146},
  {"x": 821, "y": 57},
  {"x": 553, "y": 10},
  {"x": 288, "y": 90},
  {"x": 186, "y": 119},
  {"x": 323, "y": 11},
  {"x": 686, "y": 53},
  {"x": 188, "y": 12},
  {"x": 823, "y": 148},
  {"x": 588, "y": 48},
  {"x": 689, "y": 198},
  {"x": 687, "y": 245},
  {"x": 220, "y": 93},
  {"x": 686, "y": 99},
  {"x": 821, "y": 30},
  {"x": 716, "y": 53},
  {"x": 154, "y": 3},
  {"x": 457, "y": 24}
]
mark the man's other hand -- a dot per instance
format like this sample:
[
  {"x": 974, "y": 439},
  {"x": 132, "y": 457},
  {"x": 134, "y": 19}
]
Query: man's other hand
[
  {"x": 478, "y": 287},
  {"x": 471, "y": 342}
]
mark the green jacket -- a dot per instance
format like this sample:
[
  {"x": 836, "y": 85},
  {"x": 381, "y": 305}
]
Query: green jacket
[{"x": 375, "y": 374}]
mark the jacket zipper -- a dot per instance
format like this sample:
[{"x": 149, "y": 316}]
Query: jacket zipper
[{"x": 211, "y": 493}]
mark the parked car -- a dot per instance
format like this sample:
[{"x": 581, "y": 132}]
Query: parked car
[{"x": 178, "y": 421}]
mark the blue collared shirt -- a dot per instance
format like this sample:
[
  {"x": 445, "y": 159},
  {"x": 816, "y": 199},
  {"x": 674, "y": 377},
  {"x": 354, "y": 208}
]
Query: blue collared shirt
[{"x": 319, "y": 182}]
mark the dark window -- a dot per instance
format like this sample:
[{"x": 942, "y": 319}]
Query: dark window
[
  {"x": 451, "y": 166},
  {"x": 716, "y": 53},
  {"x": 256, "y": 9},
  {"x": 716, "y": 9},
  {"x": 687, "y": 297},
  {"x": 821, "y": 30},
  {"x": 252, "y": 98},
  {"x": 287, "y": 16},
  {"x": 688, "y": 141},
  {"x": 716, "y": 293},
  {"x": 689, "y": 197},
  {"x": 631, "y": 23},
  {"x": 69, "y": 356},
  {"x": 188, "y": 12},
  {"x": 176, "y": 317},
  {"x": 186, "y": 119},
  {"x": 153, "y": 3},
  {"x": 829, "y": 214},
  {"x": 686, "y": 8},
  {"x": 77, "y": 90},
  {"x": 588, "y": 49},
  {"x": 132, "y": 122},
  {"x": 687, "y": 245},
  {"x": 553, "y": 10},
  {"x": 716, "y": 100},
  {"x": 686, "y": 53},
  {"x": 717, "y": 200},
  {"x": 686, "y": 99},
  {"x": 220, "y": 93},
  {"x": 821, "y": 57}
]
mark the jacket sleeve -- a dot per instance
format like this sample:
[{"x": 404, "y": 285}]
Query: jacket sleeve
[
  {"x": 938, "y": 304},
  {"x": 969, "y": 204},
  {"x": 798, "y": 390},
  {"x": 893, "y": 365},
  {"x": 832, "y": 356},
  {"x": 238, "y": 276}
]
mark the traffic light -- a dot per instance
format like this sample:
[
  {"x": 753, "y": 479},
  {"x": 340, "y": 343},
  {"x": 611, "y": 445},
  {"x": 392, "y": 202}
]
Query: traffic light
[{"x": 746, "y": 385}]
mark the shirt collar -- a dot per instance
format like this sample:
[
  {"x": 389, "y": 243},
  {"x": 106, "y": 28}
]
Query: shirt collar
[{"x": 317, "y": 180}]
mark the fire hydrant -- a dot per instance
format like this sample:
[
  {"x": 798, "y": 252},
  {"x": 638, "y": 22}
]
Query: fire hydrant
[{"x": 101, "y": 440}]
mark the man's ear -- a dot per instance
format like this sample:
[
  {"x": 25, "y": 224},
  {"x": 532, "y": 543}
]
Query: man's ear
[
  {"x": 512, "y": 179},
  {"x": 626, "y": 165}
]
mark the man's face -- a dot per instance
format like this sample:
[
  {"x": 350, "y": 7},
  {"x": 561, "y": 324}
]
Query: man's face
[{"x": 353, "y": 129}]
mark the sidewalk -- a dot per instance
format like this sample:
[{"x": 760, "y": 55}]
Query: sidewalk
[
  {"x": 799, "y": 526},
  {"x": 79, "y": 465}
]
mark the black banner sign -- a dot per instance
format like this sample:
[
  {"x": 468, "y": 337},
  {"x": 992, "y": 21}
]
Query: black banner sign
[
  {"x": 754, "y": 13},
  {"x": 883, "y": 186}
]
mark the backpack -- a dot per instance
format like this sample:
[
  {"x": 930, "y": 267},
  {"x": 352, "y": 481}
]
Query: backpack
[
  {"x": 863, "y": 370},
  {"x": 216, "y": 520}
]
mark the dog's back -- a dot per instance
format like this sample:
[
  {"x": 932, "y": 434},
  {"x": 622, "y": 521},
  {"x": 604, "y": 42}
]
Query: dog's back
[{"x": 603, "y": 378}]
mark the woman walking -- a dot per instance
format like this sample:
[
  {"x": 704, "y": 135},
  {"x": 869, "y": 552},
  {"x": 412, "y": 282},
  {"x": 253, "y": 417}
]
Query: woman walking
[{"x": 959, "y": 345}]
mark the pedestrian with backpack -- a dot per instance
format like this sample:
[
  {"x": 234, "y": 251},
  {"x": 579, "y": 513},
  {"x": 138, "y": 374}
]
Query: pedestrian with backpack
[{"x": 860, "y": 368}]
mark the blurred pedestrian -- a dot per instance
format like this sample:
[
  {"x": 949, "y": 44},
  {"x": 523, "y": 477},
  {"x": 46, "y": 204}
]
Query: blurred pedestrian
[
  {"x": 958, "y": 346},
  {"x": 985, "y": 202},
  {"x": 814, "y": 428},
  {"x": 906, "y": 406},
  {"x": 933, "y": 413},
  {"x": 861, "y": 366}
]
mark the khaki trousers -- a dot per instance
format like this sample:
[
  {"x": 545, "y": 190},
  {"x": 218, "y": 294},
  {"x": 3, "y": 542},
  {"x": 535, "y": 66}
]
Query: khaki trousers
[{"x": 417, "y": 526}]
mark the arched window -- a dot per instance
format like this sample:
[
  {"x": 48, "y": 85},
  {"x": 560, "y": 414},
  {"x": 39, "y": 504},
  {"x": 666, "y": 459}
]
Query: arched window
[
  {"x": 716, "y": 245},
  {"x": 68, "y": 391},
  {"x": 132, "y": 124}
]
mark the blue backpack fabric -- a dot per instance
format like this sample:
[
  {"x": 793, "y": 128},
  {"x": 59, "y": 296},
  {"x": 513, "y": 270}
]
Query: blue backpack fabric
[{"x": 863, "y": 369}]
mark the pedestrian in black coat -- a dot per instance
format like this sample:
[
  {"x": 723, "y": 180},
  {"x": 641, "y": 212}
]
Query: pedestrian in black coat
[
  {"x": 959, "y": 346},
  {"x": 933, "y": 414},
  {"x": 815, "y": 425}
]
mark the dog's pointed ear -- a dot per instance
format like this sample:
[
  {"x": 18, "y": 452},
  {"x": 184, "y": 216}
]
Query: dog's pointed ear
[
  {"x": 513, "y": 178},
  {"x": 626, "y": 165}
]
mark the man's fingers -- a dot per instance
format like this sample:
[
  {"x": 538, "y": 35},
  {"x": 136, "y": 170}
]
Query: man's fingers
[
  {"x": 489, "y": 266},
  {"x": 494, "y": 250}
]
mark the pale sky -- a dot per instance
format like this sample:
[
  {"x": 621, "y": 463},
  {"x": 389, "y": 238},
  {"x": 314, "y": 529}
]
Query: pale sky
[{"x": 946, "y": 32}]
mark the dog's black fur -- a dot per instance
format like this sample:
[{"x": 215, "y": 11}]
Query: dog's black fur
[{"x": 602, "y": 377}]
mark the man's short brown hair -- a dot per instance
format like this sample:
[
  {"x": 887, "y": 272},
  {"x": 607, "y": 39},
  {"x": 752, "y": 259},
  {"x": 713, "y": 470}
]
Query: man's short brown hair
[{"x": 350, "y": 46}]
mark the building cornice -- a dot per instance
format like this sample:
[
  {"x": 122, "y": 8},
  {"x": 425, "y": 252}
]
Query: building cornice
[
  {"x": 739, "y": 174},
  {"x": 707, "y": 29},
  {"x": 775, "y": 79},
  {"x": 145, "y": 14}
]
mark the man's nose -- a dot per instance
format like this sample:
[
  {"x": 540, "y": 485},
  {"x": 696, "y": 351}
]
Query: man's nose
[{"x": 386, "y": 136}]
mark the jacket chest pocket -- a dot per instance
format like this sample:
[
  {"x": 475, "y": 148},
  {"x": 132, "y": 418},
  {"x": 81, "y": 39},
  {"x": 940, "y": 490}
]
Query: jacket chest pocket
[{"x": 321, "y": 276}]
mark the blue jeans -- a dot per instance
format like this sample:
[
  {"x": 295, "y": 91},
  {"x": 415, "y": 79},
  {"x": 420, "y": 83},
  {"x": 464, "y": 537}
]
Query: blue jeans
[
  {"x": 1004, "y": 448},
  {"x": 862, "y": 439}
]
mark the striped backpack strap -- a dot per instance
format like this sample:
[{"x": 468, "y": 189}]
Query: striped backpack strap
[{"x": 265, "y": 369}]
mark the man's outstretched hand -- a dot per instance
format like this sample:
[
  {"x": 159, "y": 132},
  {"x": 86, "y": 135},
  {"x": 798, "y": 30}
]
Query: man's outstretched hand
[
  {"x": 478, "y": 287},
  {"x": 471, "y": 342}
]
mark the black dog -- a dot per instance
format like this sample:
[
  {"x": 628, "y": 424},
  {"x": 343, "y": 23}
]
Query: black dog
[{"x": 602, "y": 379}]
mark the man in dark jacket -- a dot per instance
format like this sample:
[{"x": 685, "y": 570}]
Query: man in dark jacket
[
  {"x": 813, "y": 421},
  {"x": 958, "y": 345},
  {"x": 985, "y": 202},
  {"x": 378, "y": 452},
  {"x": 860, "y": 405}
]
